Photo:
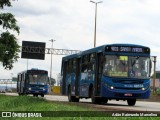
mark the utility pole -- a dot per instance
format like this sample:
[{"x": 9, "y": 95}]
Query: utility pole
[{"x": 51, "y": 63}]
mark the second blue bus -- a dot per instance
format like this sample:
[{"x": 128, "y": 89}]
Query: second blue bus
[{"x": 33, "y": 81}]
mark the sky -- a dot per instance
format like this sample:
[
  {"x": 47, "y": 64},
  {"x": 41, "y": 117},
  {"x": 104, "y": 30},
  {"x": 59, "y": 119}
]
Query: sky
[{"x": 71, "y": 24}]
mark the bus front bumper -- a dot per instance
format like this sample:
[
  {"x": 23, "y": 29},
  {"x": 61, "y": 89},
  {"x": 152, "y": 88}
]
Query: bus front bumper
[
  {"x": 113, "y": 93},
  {"x": 37, "y": 91}
]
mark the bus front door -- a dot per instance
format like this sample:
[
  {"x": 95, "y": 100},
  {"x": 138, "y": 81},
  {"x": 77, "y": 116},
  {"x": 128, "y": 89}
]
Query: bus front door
[
  {"x": 99, "y": 68},
  {"x": 77, "y": 76}
]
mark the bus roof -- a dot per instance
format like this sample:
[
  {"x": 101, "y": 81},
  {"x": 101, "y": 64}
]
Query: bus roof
[
  {"x": 100, "y": 49},
  {"x": 32, "y": 69}
]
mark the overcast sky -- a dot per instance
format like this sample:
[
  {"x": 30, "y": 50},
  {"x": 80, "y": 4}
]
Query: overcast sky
[{"x": 71, "y": 24}]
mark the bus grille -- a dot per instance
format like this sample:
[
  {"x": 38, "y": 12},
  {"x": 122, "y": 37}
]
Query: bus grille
[
  {"x": 128, "y": 81},
  {"x": 127, "y": 88}
]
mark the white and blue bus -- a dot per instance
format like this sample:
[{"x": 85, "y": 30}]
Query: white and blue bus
[
  {"x": 33, "y": 81},
  {"x": 114, "y": 71}
]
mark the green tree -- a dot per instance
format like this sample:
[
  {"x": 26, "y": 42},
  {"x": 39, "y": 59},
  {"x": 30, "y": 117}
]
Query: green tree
[
  {"x": 9, "y": 47},
  {"x": 5, "y": 3}
]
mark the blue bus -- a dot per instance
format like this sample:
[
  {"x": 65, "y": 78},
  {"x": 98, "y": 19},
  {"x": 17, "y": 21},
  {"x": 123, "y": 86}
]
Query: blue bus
[
  {"x": 33, "y": 81},
  {"x": 114, "y": 71}
]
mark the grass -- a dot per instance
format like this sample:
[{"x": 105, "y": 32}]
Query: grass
[
  {"x": 28, "y": 103},
  {"x": 37, "y": 104}
]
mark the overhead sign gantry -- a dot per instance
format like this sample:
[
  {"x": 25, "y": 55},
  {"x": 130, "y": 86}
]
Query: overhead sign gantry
[{"x": 37, "y": 50}]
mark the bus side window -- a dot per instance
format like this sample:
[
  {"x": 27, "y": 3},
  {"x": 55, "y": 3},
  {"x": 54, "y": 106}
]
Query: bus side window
[
  {"x": 91, "y": 67},
  {"x": 18, "y": 79},
  {"x": 84, "y": 67},
  {"x": 27, "y": 78},
  {"x": 92, "y": 58},
  {"x": 21, "y": 77},
  {"x": 84, "y": 63},
  {"x": 74, "y": 66},
  {"x": 69, "y": 67}
]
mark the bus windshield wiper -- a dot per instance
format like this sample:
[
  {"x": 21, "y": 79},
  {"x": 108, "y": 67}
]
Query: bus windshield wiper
[{"x": 134, "y": 62}]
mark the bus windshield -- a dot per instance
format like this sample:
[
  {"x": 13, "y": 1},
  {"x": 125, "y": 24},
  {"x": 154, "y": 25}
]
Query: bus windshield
[
  {"x": 38, "y": 79},
  {"x": 126, "y": 66}
]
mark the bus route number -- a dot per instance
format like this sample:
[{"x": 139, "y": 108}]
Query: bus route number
[{"x": 114, "y": 49}]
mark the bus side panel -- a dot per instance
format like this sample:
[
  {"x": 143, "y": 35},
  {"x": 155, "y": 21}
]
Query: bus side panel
[
  {"x": 73, "y": 76},
  {"x": 77, "y": 77},
  {"x": 83, "y": 84},
  {"x": 68, "y": 83},
  {"x": 84, "y": 76}
]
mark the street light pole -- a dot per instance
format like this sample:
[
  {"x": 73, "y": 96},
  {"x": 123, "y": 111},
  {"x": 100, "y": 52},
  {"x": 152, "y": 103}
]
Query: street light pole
[
  {"x": 51, "y": 60},
  {"x": 95, "y": 20}
]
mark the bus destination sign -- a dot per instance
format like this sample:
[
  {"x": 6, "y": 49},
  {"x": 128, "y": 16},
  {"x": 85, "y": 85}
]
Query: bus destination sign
[
  {"x": 127, "y": 49},
  {"x": 37, "y": 72}
]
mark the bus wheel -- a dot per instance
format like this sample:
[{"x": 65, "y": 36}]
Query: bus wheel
[
  {"x": 131, "y": 102},
  {"x": 70, "y": 97},
  {"x": 42, "y": 95},
  {"x": 104, "y": 100},
  {"x": 93, "y": 98},
  {"x": 35, "y": 95},
  {"x": 76, "y": 99}
]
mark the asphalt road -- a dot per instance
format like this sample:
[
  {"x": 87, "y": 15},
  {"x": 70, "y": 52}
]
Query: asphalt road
[{"x": 112, "y": 105}]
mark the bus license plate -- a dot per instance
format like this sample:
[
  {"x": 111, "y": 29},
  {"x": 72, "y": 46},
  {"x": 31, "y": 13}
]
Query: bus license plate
[{"x": 128, "y": 94}]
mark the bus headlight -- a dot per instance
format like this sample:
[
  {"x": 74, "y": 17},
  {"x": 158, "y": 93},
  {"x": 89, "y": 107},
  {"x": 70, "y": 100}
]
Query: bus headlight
[
  {"x": 112, "y": 87},
  {"x": 144, "y": 88},
  {"x": 44, "y": 89},
  {"x": 29, "y": 89},
  {"x": 109, "y": 86}
]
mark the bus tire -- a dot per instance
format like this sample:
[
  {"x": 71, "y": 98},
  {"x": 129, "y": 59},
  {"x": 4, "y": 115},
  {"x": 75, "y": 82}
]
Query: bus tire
[
  {"x": 70, "y": 97},
  {"x": 131, "y": 102},
  {"x": 35, "y": 95},
  {"x": 42, "y": 95},
  {"x": 76, "y": 99},
  {"x": 24, "y": 93},
  {"x": 94, "y": 99},
  {"x": 104, "y": 100}
]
